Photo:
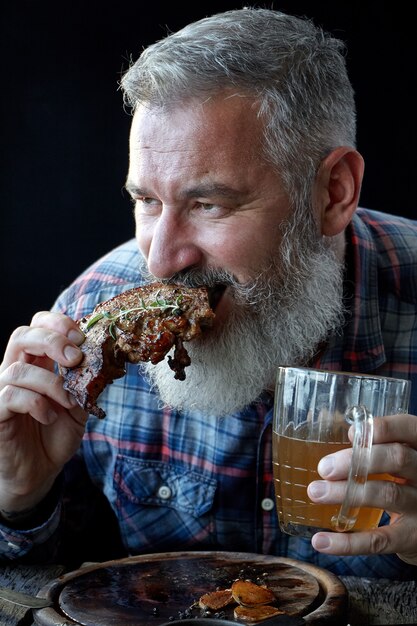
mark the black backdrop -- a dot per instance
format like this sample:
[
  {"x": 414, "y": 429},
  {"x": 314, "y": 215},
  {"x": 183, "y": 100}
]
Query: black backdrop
[{"x": 64, "y": 131}]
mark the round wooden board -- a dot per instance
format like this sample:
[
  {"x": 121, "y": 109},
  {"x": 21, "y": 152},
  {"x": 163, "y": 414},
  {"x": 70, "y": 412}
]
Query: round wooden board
[{"x": 151, "y": 589}]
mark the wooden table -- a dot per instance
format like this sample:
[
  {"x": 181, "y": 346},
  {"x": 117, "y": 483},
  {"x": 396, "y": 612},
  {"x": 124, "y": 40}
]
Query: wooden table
[{"x": 372, "y": 602}]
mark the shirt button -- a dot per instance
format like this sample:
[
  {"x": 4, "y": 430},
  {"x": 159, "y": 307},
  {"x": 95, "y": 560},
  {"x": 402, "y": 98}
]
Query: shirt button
[
  {"x": 267, "y": 504},
  {"x": 164, "y": 492}
]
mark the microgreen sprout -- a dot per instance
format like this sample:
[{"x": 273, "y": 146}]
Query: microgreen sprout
[{"x": 159, "y": 304}]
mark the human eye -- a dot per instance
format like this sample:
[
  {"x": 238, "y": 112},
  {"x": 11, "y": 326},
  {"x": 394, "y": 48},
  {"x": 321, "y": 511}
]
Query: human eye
[
  {"x": 208, "y": 206},
  {"x": 212, "y": 209},
  {"x": 146, "y": 204}
]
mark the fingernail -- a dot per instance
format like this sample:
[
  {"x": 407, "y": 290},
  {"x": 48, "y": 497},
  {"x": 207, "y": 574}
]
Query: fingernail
[
  {"x": 326, "y": 466},
  {"x": 71, "y": 352},
  {"x": 52, "y": 415},
  {"x": 317, "y": 489},
  {"x": 320, "y": 542},
  {"x": 72, "y": 400},
  {"x": 75, "y": 336}
]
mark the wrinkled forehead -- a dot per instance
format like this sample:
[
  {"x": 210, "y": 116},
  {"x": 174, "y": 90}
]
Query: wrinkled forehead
[
  {"x": 199, "y": 144},
  {"x": 228, "y": 122}
]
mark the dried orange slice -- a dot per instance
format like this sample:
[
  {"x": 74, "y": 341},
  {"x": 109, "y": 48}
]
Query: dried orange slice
[
  {"x": 253, "y": 614},
  {"x": 216, "y": 600},
  {"x": 248, "y": 593}
]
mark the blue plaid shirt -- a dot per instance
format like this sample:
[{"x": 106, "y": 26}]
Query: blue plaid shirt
[{"x": 188, "y": 481}]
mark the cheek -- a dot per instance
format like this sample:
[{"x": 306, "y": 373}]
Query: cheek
[
  {"x": 237, "y": 255},
  {"x": 143, "y": 237}
]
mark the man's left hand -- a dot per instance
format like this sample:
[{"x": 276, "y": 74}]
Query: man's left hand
[{"x": 394, "y": 452}]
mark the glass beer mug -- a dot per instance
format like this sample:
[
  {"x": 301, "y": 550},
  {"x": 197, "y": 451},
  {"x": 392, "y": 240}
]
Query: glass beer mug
[{"x": 313, "y": 412}]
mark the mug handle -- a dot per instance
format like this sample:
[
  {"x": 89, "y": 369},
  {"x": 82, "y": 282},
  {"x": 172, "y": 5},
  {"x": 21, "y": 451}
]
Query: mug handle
[{"x": 363, "y": 422}]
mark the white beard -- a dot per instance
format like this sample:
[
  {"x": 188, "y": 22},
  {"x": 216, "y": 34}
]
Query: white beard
[{"x": 280, "y": 318}]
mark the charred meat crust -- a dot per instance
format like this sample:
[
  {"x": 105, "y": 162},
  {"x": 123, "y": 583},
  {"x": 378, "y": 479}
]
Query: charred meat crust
[{"x": 141, "y": 324}]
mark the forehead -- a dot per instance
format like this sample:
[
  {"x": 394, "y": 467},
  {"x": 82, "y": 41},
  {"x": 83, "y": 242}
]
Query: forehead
[{"x": 221, "y": 128}]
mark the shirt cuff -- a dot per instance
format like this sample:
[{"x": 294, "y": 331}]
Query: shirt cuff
[{"x": 15, "y": 544}]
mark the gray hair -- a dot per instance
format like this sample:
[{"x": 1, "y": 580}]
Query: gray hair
[{"x": 294, "y": 70}]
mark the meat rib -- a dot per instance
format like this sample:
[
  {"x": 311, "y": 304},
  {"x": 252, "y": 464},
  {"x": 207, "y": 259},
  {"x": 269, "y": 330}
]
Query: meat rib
[{"x": 141, "y": 324}]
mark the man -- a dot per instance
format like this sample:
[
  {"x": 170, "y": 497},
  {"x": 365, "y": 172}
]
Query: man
[{"x": 244, "y": 177}]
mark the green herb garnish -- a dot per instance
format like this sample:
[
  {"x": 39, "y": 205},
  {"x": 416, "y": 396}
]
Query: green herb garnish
[{"x": 158, "y": 304}]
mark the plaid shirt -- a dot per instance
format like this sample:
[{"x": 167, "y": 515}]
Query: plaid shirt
[{"x": 192, "y": 481}]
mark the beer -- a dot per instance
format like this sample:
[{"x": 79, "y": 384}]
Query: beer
[
  {"x": 295, "y": 466},
  {"x": 314, "y": 410}
]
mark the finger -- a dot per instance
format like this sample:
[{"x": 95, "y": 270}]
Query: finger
[
  {"x": 41, "y": 408},
  {"x": 396, "y": 459},
  {"x": 396, "y": 428},
  {"x": 29, "y": 389},
  {"x": 28, "y": 341},
  {"x": 335, "y": 466},
  {"x": 26, "y": 402},
  {"x": 60, "y": 323},
  {"x": 381, "y": 494},
  {"x": 383, "y": 540}
]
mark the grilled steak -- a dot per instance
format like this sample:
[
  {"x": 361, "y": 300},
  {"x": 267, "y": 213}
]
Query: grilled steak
[{"x": 141, "y": 324}]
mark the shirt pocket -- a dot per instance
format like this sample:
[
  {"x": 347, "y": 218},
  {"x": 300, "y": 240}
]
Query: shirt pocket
[{"x": 163, "y": 507}]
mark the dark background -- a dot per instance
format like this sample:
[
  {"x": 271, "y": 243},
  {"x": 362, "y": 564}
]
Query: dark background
[{"x": 64, "y": 131}]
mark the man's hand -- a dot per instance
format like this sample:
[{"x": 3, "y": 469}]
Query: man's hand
[
  {"x": 394, "y": 452},
  {"x": 41, "y": 425}
]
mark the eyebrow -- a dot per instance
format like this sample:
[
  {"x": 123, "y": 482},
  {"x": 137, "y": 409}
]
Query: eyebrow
[
  {"x": 134, "y": 190},
  {"x": 203, "y": 190},
  {"x": 212, "y": 189}
]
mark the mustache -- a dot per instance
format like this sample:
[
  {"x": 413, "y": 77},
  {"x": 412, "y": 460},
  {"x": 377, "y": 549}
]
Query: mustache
[
  {"x": 250, "y": 293},
  {"x": 207, "y": 277}
]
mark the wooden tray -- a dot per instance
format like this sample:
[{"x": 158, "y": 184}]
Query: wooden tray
[{"x": 151, "y": 589}]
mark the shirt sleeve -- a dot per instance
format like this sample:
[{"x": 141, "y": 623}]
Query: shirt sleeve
[
  {"x": 16, "y": 544},
  {"x": 78, "y": 525}
]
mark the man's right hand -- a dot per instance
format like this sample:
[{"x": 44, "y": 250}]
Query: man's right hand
[{"x": 41, "y": 424}]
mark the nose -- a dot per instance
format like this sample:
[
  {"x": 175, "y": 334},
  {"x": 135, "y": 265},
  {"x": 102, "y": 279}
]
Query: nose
[{"x": 168, "y": 244}]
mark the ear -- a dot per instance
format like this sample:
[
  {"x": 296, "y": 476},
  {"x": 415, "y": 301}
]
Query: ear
[{"x": 338, "y": 184}]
